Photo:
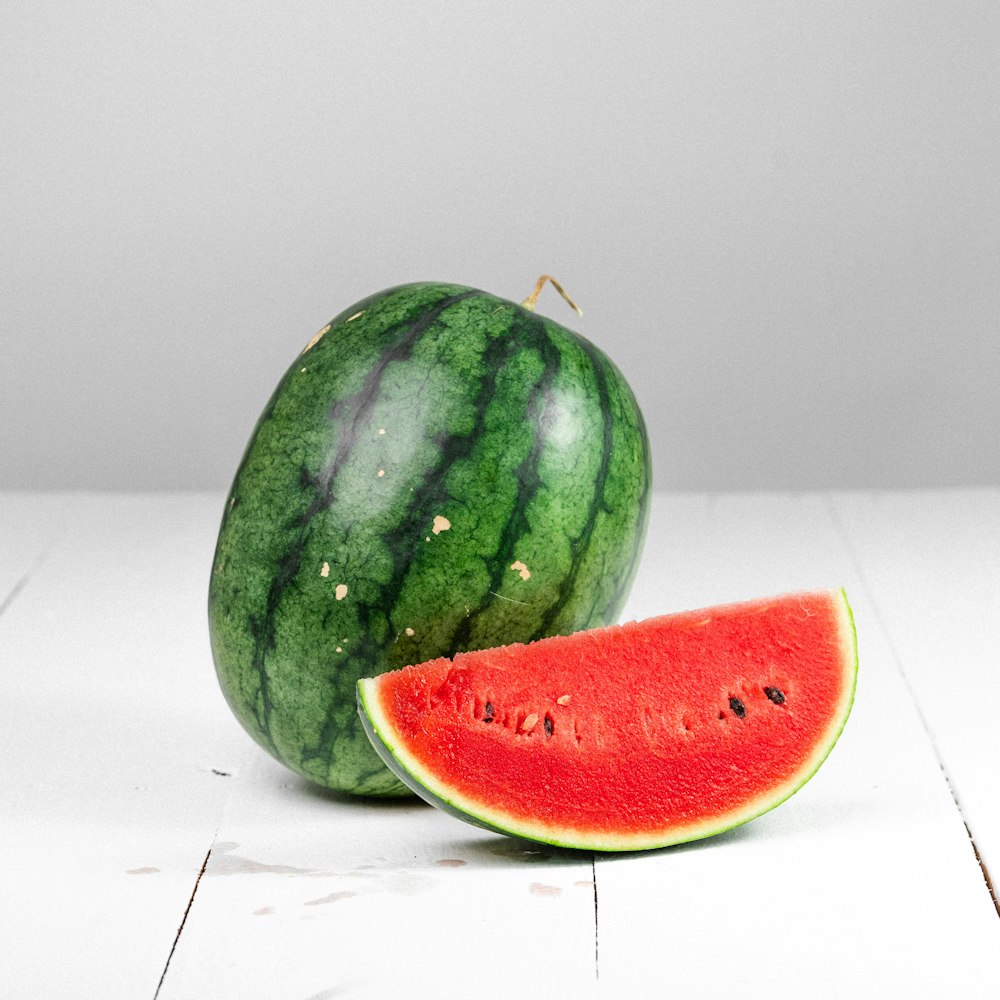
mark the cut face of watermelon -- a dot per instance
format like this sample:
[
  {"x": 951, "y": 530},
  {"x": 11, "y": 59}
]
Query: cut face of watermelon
[{"x": 628, "y": 737}]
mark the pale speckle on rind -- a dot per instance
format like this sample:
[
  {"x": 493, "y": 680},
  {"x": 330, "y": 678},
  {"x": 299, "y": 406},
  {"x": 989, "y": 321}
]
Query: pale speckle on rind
[
  {"x": 441, "y": 523},
  {"x": 357, "y": 315},
  {"x": 319, "y": 336},
  {"x": 409, "y": 631},
  {"x": 381, "y": 430},
  {"x": 325, "y": 571},
  {"x": 340, "y": 649},
  {"x": 380, "y": 473},
  {"x": 340, "y": 591},
  {"x": 521, "y": 569}
]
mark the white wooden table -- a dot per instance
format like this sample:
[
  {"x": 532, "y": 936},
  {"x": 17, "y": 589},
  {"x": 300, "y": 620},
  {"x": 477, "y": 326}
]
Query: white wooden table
[{"x": 149, "y": 849}]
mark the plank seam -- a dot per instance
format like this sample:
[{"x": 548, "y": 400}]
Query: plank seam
[
  {"x": 984, "y": 870},
  {"x": 898, "y": 660},
  {"x": 180, "y": 929},
  {"x": 12, "y": 595}
]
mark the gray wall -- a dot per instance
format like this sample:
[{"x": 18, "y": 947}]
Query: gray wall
[{"x": 781, "y": 219}]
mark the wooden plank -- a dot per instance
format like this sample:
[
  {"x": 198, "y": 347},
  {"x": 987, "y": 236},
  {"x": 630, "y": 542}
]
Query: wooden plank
[
  {"x": 308, "y": 894},
  {"x": 112, "y": 730},
  {"x": 123, "y": 768},
  {"x": 930, "y": 562},
  {"x": 864, "y": 882}
]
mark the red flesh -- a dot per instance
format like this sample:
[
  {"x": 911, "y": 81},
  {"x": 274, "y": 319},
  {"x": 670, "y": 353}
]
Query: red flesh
[{"x": 648, "y": 737}]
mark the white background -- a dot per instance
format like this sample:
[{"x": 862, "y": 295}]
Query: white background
[{"x": 781, "y": 219}]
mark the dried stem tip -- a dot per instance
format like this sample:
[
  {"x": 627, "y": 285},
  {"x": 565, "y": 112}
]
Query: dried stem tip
[{"x": 530, "y": 302}]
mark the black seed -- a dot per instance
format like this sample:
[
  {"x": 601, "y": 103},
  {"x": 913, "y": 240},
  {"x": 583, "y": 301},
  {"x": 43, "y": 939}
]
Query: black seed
[
  {"x": 488, "y": 717},
  {"x": 775, "y": 695},
  {"x": 739, "y": 709},
  {"x": 548, "y": 725}
]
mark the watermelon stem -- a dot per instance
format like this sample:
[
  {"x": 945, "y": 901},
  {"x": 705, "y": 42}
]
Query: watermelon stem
[{"x": 531, "y": 301}]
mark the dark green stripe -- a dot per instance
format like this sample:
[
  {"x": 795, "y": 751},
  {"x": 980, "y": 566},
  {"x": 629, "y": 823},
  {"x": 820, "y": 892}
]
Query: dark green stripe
[
  {"x": 581, "y": 542},
  {"x": 428, "y": 496},
  {"x": 352, "y": 412},
  {"x": 527, "y": 331}
]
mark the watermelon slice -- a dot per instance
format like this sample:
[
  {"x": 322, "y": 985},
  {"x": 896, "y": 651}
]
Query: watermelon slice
[{"x": 628, "y": 737}]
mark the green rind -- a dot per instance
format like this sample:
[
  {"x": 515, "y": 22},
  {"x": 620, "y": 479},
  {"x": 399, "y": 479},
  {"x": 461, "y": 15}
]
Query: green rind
[
  {"x": 449, "y": 373},
  {"x": 420, "y": 781}
]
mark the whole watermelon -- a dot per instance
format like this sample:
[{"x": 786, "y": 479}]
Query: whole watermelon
[{"x": 439, "y": 470}]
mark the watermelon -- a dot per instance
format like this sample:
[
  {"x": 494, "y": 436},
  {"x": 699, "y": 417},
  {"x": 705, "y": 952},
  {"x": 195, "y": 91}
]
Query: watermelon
[
  {"x": 630, "y": 737},
  {"x": 439, "y": 470}
]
